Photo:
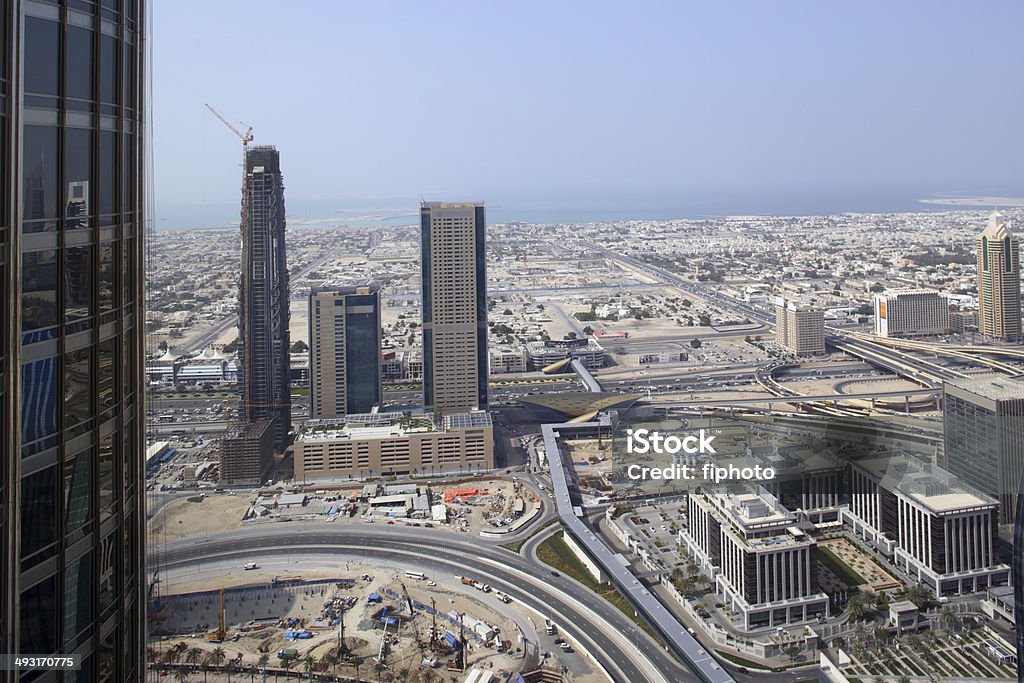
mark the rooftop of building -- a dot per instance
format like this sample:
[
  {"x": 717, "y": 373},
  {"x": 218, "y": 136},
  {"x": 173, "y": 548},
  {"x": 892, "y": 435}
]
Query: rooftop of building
[
  {"x": 903, "y": 607},
  {"x": 990, "y": 385},
  {"x": 388, "y": 425},
  {"x": 450, "y": 205},
  {"x": 248, "y": 429},
  {"x": 797, "y": 305},
  {"x": 757, "y": 515},
  {"x": 997, "y": 228},
  {"x": 908, "y": 291},
  {"x": 579, "y": 344},
  {"x": 924, "y": 483},
  {"x": 370, "y": 288}
]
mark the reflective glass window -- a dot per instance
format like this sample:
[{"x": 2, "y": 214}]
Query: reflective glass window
[
  {"x": 39, "y": 290},
  {"x": 78, "y": 506},
  {"x": 77, "y": 283},
  {"x": 42, "y": 56},
  {"x": 107, "y": 171},
  {"x": 78, "y": 68},
  {"x": 108, "y": 69},
  {"x": 106, "y": 472},
  {"x": 106, "y": 268},
  {"x": 108, "y": 578},
  {"x": 77, "y": 176},
  {"x": 39, "y": 191},
  {"x": 38, "y": 514},
  {"x": 78, "y": 602},
  {"x": 105, "y": 380},
  {"x": 38, "y": 402},
  {"x": 78, "y": 387},
  {"x": 39, "y": 618}
]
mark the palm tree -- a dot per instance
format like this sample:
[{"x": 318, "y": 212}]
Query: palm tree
[
  {"x": 947, "y": 617},
  {"x": 919, "y": 595},
  {"x": 194, "y": 655},
  {"x": 262, "y": 662},
  {"x": 858, "y": 610},
  {"x": 218, "y": 656},
  {"x": 181, "y": 675},
  {"x": 330, "y": 660},
  {"x": 309, "y": 664}
]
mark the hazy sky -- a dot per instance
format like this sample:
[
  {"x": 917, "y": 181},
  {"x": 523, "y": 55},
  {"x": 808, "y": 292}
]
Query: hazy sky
[{"x": 378, "y": 101}]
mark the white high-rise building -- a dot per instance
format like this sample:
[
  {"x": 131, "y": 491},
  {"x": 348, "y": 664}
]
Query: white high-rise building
[{"x": 911, "y": 313}]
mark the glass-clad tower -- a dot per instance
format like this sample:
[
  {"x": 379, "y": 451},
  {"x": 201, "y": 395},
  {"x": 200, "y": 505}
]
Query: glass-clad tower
[
  {"x": 1018, "y": 579},
  {"x": 71, "y": 269},
  {"x": 344, "y": 351}
]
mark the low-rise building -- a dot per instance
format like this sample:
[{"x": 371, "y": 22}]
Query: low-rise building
[
  {"x": 247, "y": 451},
  {"x": 541, "y": 354},
  {"x": 394, "y": 443},
  {"x": 507, "y": 359},
  {"x": 762, "y": 564},
  {"x": 938, "y": 531}
]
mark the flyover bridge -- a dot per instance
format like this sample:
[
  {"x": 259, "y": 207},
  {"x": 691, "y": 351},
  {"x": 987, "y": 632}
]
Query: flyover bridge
[{"x": 616, "y": 567}]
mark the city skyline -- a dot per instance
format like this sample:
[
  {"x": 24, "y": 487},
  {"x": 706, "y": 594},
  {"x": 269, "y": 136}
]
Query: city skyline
[{"x": 698, "y": 110}]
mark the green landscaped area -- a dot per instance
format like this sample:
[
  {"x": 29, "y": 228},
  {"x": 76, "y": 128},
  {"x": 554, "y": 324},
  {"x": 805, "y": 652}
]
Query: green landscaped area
[
  {"x": 555, "y": 553},
  {"x": 514, "y": 546},
  {"x": 843, "y": 571}
]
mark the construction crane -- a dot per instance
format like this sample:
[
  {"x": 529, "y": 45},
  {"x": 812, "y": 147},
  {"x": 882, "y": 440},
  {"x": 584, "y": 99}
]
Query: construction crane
[
  {"x": 218, "y": 635},
  {"x": 243, "y": 223}
]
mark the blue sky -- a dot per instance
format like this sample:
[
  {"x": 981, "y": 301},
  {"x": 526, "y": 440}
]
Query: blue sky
[{"x": 379, "y": 102}]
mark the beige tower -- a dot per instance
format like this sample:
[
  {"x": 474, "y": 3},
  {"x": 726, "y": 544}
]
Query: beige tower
[
  {"x": 454, "y": 283},
  {"x": 998, "y": 281},
  {"x": 799, "y": 327}
]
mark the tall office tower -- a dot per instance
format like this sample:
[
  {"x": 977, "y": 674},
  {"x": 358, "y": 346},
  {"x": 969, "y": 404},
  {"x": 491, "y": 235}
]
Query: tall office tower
[
  {"x": 799, "y": 327},
  {"x": 983, "y": 424},
  {"x": 998, "y": 257},
  {"x": 72, "y": 217},
  {"x": 911, "y": 313},
  {"x": 263, "y": 294},
  {"x": 1018, "y": 579},
  {"x": 454, "y": 278},
  {"x": 344, "y": 351}
]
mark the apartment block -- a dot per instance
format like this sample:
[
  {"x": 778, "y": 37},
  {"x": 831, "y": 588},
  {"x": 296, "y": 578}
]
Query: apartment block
[
  {"x": 377, "y": 444},
  {"x": 799, "y": 327},
  {"x": 911, "y": 313}
]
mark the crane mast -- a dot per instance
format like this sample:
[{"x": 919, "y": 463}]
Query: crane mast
[{"x": 243, "y": 224}]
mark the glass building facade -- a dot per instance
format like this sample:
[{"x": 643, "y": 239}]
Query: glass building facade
[
  {"x": 344, "y": 351},
  {"x": 71, "y": 269},
  {"x": 1018, "y": 580}
]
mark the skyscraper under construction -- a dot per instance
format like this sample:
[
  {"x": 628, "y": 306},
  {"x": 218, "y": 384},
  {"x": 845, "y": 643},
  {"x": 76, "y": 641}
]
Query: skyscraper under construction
[{"x": 263, "y": 296}]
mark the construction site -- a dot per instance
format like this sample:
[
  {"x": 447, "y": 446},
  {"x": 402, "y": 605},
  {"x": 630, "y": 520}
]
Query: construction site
[{"x": 369, "y": 626}]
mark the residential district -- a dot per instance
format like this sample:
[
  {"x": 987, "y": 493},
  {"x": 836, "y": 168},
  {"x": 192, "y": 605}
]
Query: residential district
[{"x": 399, "y": 453}]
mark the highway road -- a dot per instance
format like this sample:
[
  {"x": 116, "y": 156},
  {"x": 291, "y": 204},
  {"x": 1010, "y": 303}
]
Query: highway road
[
  {"x": 211, "y": 335},
  {"x": 624, "y": 650}
]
